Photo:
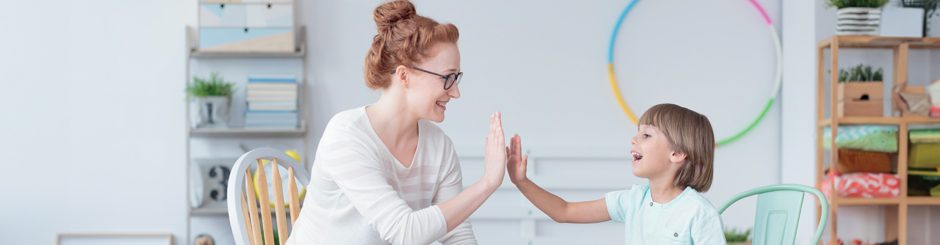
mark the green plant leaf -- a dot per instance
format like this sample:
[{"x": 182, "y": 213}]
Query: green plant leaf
[
  {"x": 856, "y": 3},
  {"x": 214, "y": 86},
  {"x": 861, "y": 73},
  {"x": 735, "y": 235}
]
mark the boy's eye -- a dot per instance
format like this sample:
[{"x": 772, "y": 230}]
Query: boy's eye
[{"x": 646, "y": 136}]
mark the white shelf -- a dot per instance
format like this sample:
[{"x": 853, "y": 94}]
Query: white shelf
[
  {"x": 250, "y": 132},
  {"x": 299, "y": 53},
  {"x": 209, "y": 211}
]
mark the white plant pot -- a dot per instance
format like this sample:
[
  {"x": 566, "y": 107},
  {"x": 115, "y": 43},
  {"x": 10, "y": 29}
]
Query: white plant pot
[
  {"x": 858, "y": 21},
  {"x": 209, "y": 112}
]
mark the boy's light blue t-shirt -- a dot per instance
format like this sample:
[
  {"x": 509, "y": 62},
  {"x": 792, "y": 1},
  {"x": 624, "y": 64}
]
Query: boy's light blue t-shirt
[{"x": 687, "y": 219}]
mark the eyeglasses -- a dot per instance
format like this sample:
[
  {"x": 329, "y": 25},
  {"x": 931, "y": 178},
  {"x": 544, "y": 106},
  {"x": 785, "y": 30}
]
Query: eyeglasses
[{"x": 449, "y": 80}]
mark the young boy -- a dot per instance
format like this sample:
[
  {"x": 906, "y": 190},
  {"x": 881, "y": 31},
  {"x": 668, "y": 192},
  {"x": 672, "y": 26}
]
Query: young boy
[{"x": 674, "y": 149}]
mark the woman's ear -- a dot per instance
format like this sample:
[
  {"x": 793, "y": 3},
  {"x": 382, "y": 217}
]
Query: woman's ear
[
  {"x": 677, "y": 157},
  {"x": 401, "y": 73}
]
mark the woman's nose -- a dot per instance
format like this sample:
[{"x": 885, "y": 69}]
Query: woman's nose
[{"x": 454, "y": 92}]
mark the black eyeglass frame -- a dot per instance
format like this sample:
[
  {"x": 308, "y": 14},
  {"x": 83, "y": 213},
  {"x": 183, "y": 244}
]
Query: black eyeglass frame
[{"x": 449, "y": 80}]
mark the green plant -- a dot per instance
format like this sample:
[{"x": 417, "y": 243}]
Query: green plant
[
  {"x": 735, "y": 235},
  {"x": 856, "y": 3},
  {"x": 861, "y": 73},
  {"x": 214, "y": 86}
]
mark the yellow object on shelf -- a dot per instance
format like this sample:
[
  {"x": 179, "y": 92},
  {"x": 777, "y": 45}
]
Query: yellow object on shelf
[{"x": 925, "y": 155}]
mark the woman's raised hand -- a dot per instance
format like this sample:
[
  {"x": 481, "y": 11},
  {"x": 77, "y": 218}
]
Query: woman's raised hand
[{"x": 494, "y": 159}]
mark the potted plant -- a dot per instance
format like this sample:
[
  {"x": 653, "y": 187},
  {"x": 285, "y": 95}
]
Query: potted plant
[
  {"x": 858, "y": 17},
  {"x": 210, "y": 101},
  {"x": 738, "y": 237},
  {"x": 860, "y": 92}
]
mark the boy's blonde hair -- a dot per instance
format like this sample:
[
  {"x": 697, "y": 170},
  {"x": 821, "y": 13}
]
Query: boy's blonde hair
[{"x": 688, "y": 132}]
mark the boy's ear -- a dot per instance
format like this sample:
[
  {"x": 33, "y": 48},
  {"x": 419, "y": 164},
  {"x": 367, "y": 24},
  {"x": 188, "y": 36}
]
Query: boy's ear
[{"x": 677, "y": 157}]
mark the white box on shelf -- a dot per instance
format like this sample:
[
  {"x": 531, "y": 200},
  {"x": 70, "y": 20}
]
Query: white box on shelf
[
  {"x": 246, "y": 15},
  {"x": 902, "y": 22},
  {"x": 270, "y": 15},
  {"x": 246, "y": 1},
  {"x": 246, "y": 39},
  {"x": 222, "y": 15}
]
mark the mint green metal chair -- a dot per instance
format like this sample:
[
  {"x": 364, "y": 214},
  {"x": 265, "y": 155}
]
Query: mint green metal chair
[{"x": 778, "y": 212}]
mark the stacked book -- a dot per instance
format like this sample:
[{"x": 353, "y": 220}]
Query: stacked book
[{"x": 272, "y": 101}]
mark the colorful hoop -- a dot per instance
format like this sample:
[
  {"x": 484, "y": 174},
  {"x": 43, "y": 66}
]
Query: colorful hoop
[{"x": 773, "y": 96}]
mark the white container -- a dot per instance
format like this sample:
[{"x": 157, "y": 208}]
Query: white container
[
  {"x": 246, "y": 15},
  {"x": 210, "y": 112},
  {"x": 858, "y": 21},
  {"x": 246, "y": 39},
  {"x": 902, "y": 22}
]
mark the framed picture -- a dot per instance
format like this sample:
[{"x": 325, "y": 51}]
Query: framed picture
[{"x": 114, "y": 238}]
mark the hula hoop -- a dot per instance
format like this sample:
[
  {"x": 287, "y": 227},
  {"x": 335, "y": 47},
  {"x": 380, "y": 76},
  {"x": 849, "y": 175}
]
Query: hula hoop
[{"x": 770, "y": 102}]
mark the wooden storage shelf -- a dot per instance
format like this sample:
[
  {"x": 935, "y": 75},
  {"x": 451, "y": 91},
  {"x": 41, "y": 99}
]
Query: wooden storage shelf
[
  {"x": 900, "y": 47},
  {"x": 882, "y": 42},
  {"x": 923, "y": 201},
  {"x": 856, "y": 201},
  {"x": 879, "y": 120}
]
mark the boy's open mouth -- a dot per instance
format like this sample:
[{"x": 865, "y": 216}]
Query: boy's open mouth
[{"x": 636, "y": 156}]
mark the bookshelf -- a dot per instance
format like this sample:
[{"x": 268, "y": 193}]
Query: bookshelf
[
  {"x": 258, "y": 46},
  {"x": 897, "y": 217}
]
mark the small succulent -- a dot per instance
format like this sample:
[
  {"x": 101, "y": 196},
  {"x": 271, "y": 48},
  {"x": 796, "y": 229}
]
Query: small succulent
[{"x": 861, "y": 73}]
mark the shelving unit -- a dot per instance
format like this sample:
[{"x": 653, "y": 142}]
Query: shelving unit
[
  {"x": 900, "y": 47},
  {"x": 245, "y": 38},
  {"x": 223, "y": 145}
]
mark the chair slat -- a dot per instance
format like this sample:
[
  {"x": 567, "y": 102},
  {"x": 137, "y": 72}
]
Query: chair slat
[
  {"x": 245, "y": 217},
  {"x": 279, "y": 203},
  {"x": 294, "y": 199},
  {"x": 265, "y": 205},
  {"x": 255, "y": 227}
]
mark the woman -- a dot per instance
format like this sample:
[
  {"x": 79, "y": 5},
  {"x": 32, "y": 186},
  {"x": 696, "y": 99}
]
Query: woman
[{"x": 383, "y": 173}]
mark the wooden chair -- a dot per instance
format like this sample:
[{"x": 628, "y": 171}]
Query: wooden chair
[{"x": 252, "y": 223}]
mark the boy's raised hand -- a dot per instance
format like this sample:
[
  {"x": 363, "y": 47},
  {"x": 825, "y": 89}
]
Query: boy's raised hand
[{"x": 517, "y": 161}]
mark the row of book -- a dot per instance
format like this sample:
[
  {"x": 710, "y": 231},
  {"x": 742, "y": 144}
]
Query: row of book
[{"x": 271, "y": 101}]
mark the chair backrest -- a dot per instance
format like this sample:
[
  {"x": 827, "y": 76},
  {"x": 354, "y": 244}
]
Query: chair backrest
[
  {"x": 778, "y": 212},
  {"x": 250, "y": 214}
]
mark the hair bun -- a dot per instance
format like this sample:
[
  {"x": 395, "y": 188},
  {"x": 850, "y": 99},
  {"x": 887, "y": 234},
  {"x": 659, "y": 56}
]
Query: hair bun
[{"x": 390, "y": 13}]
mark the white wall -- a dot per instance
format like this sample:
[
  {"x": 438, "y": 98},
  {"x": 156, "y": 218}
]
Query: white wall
[
  {"x": 798, "y": 106},
  {"x": 92, "y": 130}
]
